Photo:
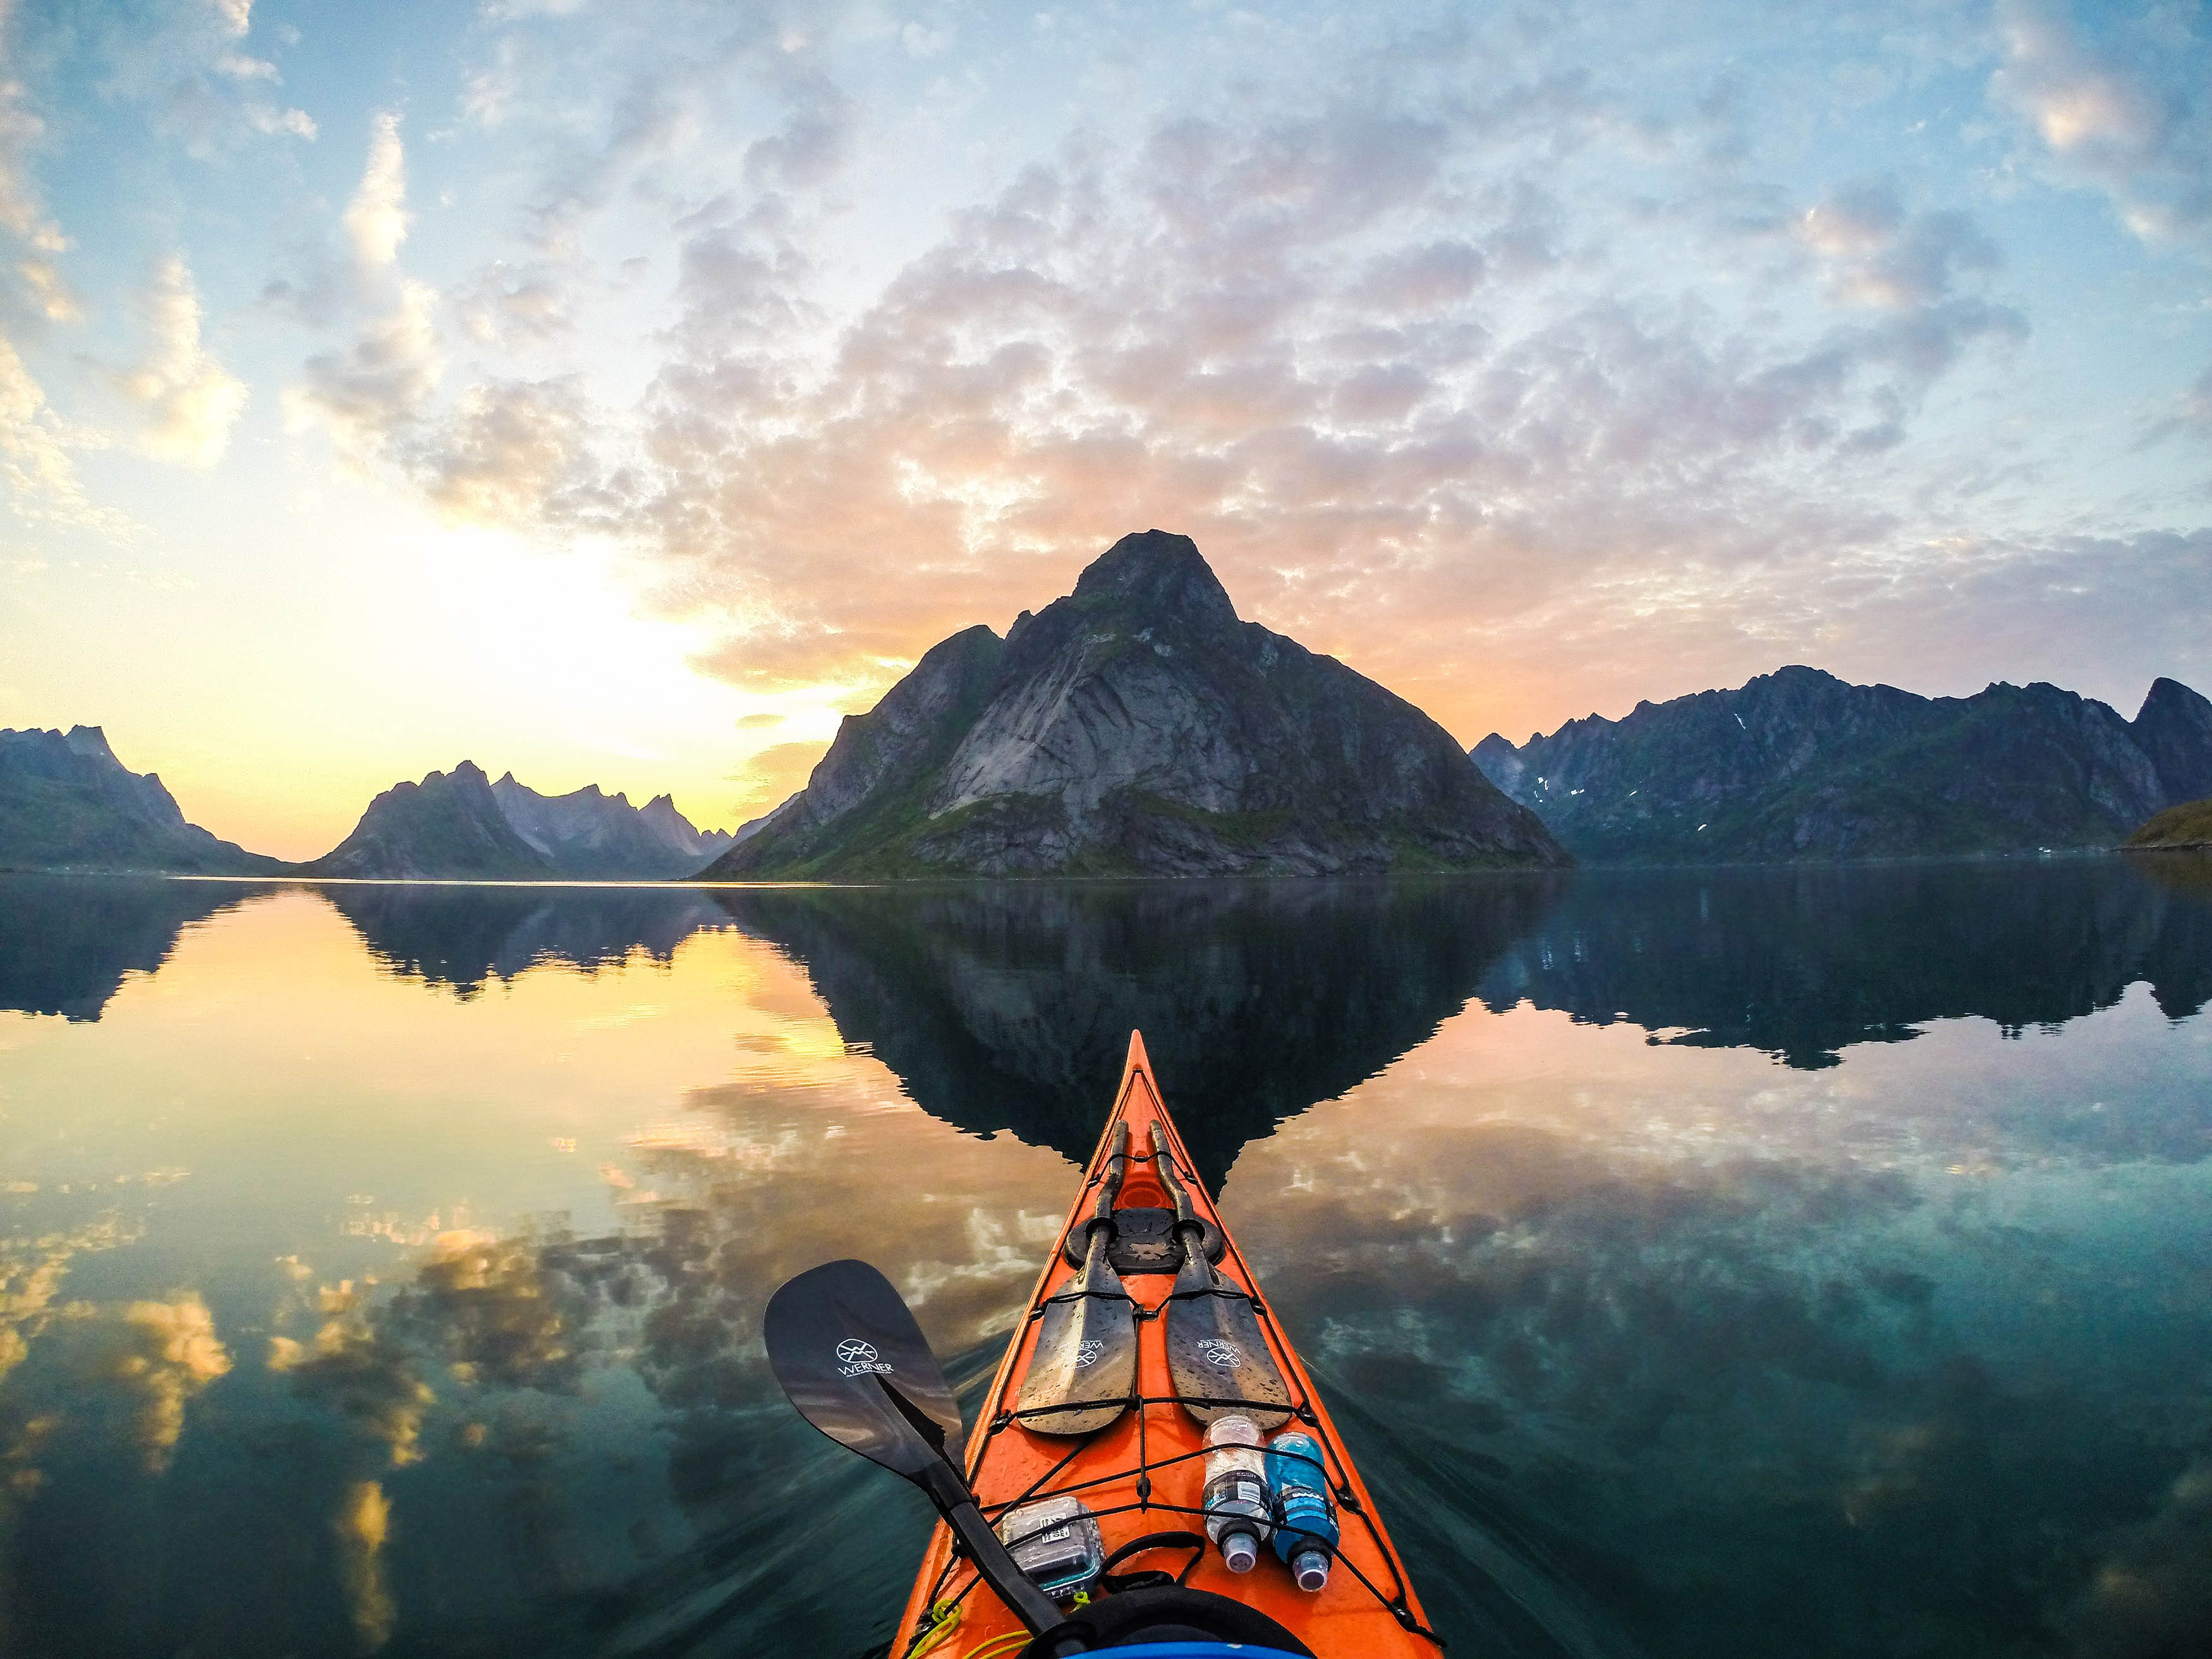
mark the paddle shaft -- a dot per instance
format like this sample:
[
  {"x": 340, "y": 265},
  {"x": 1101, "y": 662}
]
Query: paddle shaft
[
  {"x": 1163, "y": 1166},
  {"x": 1117, "y": 1166},
  {"x": 995, "y": 1564}
]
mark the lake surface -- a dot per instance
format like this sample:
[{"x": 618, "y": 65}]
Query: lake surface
[{"x": 1725, "y": 1263}]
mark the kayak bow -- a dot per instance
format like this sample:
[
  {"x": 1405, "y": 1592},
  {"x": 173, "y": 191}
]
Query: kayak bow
[{"x": 1141, "y": 1475}]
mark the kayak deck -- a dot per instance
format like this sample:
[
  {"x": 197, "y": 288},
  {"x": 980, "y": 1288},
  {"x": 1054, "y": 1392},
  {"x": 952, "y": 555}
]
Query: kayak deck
[{"x": 1143, "y": 1475}]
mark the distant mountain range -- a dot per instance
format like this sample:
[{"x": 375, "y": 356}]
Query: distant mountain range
[
  {"x": 66, "y": 803},
  {"x": 1138, "y": 727},
  {"x": 461, "y": 826},
  {"x": 1800, "y": 764}
]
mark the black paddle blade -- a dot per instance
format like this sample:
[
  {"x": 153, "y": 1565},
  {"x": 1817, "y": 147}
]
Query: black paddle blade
[
  {"x": 849, "y": 1353},
  {"x": 1084, "y": 1365},
  {"x": 1216, "y": 1352}
]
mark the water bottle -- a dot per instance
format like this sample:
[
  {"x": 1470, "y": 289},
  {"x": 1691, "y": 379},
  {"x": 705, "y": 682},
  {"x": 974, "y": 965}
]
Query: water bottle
[
  {"x": 1305, "y": 1531},
  {"x": 1235, "y": 1501}
]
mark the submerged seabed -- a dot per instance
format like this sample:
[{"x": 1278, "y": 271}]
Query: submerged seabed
[{"x": 1736, "y": 1263}]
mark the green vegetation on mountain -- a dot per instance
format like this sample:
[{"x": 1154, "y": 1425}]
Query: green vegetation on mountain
[
  {"x": 2185, "y": 827},
  {"x": 68, "y": 804}
]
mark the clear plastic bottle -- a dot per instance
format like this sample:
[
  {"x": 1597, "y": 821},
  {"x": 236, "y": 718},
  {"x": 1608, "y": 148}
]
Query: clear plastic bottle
[
  {"x": 1237, "y": 1512},
  {"x": 1305, "y": 1533}
]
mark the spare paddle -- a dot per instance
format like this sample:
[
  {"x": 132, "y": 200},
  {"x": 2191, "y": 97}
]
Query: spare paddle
[
  {"x": 1218, "y": 1359},
  {"x": 1082, "y": 1372},
  {"x": 849, "y": 1353}
]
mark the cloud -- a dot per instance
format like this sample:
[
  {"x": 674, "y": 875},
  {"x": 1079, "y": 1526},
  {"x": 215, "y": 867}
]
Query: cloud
[
  {"x": 191, "y": 401},
  {"x": 1878, "y": 256},
  {"x": 1197, "y": 331},
  {"x": 1453, "y": 375},
  {"x": 2150, "y": 1595},
  {"x": 34, "y": 456},
  {"x": 162, "y": 1353},
  {"x": 22, "y": 208},
  {"x": 368, "y": 1379},
  {"x": 2125, "y": 113},
  {"x": 375, "y": 389},
  {"x": 290, "y": 122},
  {"x": 376, "y": 218},
  {"x": 361, "y": 1524},
  {"x": 509, "y": 449}
]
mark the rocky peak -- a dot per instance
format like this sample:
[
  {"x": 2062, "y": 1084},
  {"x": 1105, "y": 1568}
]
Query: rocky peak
[
  {"x": 1136, "y": 726},
  {"x": 92, "y": 741},
  {"x": 2174, "y": 729},
  {"x": 1157, "y": 577}
]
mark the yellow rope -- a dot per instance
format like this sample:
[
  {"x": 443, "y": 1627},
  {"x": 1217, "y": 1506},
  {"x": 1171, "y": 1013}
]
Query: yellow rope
[
  {"x": 945, "y": 1619},
  {"x": 998, "y": 1646}
]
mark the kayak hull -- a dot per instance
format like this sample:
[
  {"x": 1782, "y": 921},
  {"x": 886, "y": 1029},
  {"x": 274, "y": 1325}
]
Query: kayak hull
[{"x": 1143, "y": 1475}]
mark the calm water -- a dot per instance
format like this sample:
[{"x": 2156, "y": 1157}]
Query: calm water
[{"x": 1737, "y": 1264}]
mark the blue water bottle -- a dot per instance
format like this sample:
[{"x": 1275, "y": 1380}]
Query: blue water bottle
[{"x": 1305, "y": 1527}]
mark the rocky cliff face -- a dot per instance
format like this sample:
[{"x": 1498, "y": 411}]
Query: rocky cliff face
[
  {"x": 2174, "y": 730},
  {"x": 1137, "y": 727},
  {"x": 1800, "y": 764},
  {"x": 586, "y": 834},
  {"x": 67, "y": 804},
  {"x": 461, "y": 826}
]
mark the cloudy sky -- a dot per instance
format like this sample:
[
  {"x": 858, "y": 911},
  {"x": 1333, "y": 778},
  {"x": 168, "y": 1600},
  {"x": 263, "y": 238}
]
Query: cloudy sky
[{"x": 620, "y": 393}]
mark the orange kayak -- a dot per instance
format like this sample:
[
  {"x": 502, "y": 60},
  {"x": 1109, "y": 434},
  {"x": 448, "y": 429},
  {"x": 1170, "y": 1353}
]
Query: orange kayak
[{"x": 1144, "y": 1473}]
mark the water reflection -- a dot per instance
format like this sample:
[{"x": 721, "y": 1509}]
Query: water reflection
[
  {"x": 1657, "y": 1349},
  {"x": 66, "y": 943},
  {"x": 461, "y": 937},
  {"x": 1009, "y": 1007},
  {"x": 1804, "y": 962}
]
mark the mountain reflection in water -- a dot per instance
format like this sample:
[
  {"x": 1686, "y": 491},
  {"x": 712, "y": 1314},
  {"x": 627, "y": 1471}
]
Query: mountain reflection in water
[
  {"x": 1672, "y": 1304},
  {"x": 1010, "y": 1006}
]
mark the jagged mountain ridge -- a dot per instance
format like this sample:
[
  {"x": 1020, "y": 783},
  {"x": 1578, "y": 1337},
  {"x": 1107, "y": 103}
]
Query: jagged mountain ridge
[
  {"x": 1138, "y": 727},
  {"x": 462, "y": 826},
  {"x": 588, "y": 833},
  {"x": 1799, "y": 763},
  {"x": 68, "y": 804}
]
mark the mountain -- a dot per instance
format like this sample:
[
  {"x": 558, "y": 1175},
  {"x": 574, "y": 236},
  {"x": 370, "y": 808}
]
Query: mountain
[
  {"x": 2185, "y": 827},
  {"x": 586, "y": 834},
  {"x": 2174, "y": 729},
  {"x": 448, "y": 826},
  {"x": 460, "y": 826},
  {"x": 1138, "y": 727},
  {"x": 1801, "y": 764},
  {"x": 67, "y": 804}
]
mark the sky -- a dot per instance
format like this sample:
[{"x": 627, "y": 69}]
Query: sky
[{"x": 624, "y": 393}]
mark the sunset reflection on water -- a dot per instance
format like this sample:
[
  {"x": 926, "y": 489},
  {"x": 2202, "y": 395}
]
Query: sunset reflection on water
[{"x": 384, "y": 1266}]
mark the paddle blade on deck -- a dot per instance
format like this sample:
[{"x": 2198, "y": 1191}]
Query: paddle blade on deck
[
  {"x": 847, "y": 1351},
  {"x": 1082, "y": 1372},
  {"x": 1217, "y": 1353},
  {"x": 1218, "y": 1358}
]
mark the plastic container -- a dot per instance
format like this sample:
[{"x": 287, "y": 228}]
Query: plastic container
[
  {"x": 1305, "y": 1516},
  {"x": 1056, "y": 1542},
  {"x": 1238, "y": 1510}
]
